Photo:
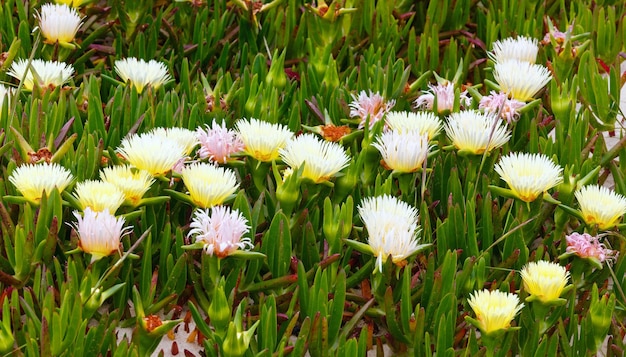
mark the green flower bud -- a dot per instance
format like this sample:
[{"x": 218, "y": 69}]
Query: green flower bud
[{"x": 219, "y": 311}]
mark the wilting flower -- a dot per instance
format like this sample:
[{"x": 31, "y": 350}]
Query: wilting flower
[
  {"x": 218, "y": 143},
  {"x": 589, "y": 247},
  {"x": 154, "y": 153},
  {"x": 134, "y": 183},
  {"x": 544, "y": 281},
  {"x": 521, "y": 80},
  {"x": 142, "y": 74},
  {"x": 392, "y": 226},
  {"x": 500, "y": 102},
  {"x": 600, "y": 206},
  {"x": 529, "y": 175},
  {"x": 445, "y": 95},
  {"x": 403, "y": 151},
  {"x": 58, "y": 23},
  {"x": 221, "y": 232},
  {"x": 184, "y": 137},
  {"x": 208, "y": 185},
  {"x": 424, "y": 122},
  {"x": 471, "y": 131},
  {"x": 321, "y": 159},
  {"x": 47, "y": 74},
  {"x": 99, "y": 195},
  {"x": 5, "y": 95},
  {"x": 369, "y": 105},
  {"x": 522, "y": 48},
  {"x": 99, "y": 233},
  {"x": 494, "y": 309},
  {"x": 31, "y": 180},
  {"x": 262, "y": 140}
]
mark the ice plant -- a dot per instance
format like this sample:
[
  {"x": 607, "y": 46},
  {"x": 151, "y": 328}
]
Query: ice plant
[
  {"x": 59, "y": 24},
  {"x": 208, "y": 185},
  {"x": 445, "y": 95},
  {"x": 5, "y": 95},
  {"x": 521, "y": 80},
  {"x": 47, "y": 74},
  {"x": 133, "y": 183},
  {"x": 403, "y": 152},
  {"x": 262, "y": 140},
  {"x": 218, "y": 143},
  {"x": 600, "y": 206},
  {"x": 99, "y": 195},
  {"x": 544, "y": 281},
  {"x": 473, "y": 132},
  {"x": 184, "y": 137},
  {"x": 321, "y": 159},
  {"x": 221, "y": 232},
  {"x": 154, "y": 153},
  {"x": 74, "y": 3},
  {"x": 529, "y": 175},
  {"x": 494, "y": 310},
  {"x": 589, "y": 247},
  {"x": 31, "y": 180},
  {"x": 142, "y": 74},
  {"x": 99, "y": 233},
  {"x": 423, "y": 122},
  {"x": 370, "y": 105},
  {"x": 392, "y": 227},
  {"x": 500, "y": 103},
  {"x": 521, "y": 48}
]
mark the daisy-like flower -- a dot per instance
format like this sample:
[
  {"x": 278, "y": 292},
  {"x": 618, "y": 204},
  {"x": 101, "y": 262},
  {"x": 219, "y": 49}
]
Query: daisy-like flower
[
  {"x": 393, "y": 229},
  {"x": 99, "y": 195},
  {"x": 99, "y": 233},
  {"x": 154, "y": 153},
  {"x": 59, "y": 24},
  {"x": 47, "y": 74},
  {"x": 262, "y": 140},
  {"x": 208, "y": 185},
  {"x": 403, "y": 152},
  {"x": 424, "y": 122},
  {"x": 529, "y": 175},
  {"x": 470, "y": 131},
  {"x": 142, "y": 74},
  {"x": 500, "y": 102},
  {"x": 217, "y": 142},
  {"x": 133, "y": 183},
  {"x": 600, "y": 206},
  {"x": 544, "y": 281},
  {"x": 31, "y": 180},
  {"x": 321, "y": 159},
  {"x": 521, "y": 80},
  {"x": 184, "y": 137},
  {"x": 371, "y": 105},
  {"x": 522, "y": 48},
  {"x": 445, "y": 95},
  {"x": 589, "y": 247},
  {"x": 221, "y": 232},
  {"x": 494, "y": 309}
]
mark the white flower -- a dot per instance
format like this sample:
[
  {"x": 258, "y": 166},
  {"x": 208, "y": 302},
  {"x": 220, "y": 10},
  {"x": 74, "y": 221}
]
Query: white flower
[
  {"x": 321, "y": 159},
  {"x": 470, "y": 131},
  {"x": 5, "y": 95},
  {"x": 99, "y": 233},
  {"x": 32, "y": 180},
  {"x": 208, "y": 185},
  {"x": 47, "y": 74},
  {"x": 369, "y": 105},
  {"x": 217, "y": 142},
  {"x": 142, "y": 74},
  {"x": 59, "y": 23},
  {"x": 500, "y": 102},
  {"x": 262, "y": 140},
  {"x": 154, "y": 153},
  {"x": 221, "y": 232},
  {"x": 600, "y": 206},
  {"x": 403, "y": 152},
  {"x": 134, "y": 183},
  {"x": 445, "y": 95},
  {"x": 522, "y": 48},
  {"x": 99, "y": 195},
  {"x": 184, "y": 137},
  {"x": 521, "y": 80},
  {"x": 529, "y": 175},
  {"x": 392, "y": 226},
  {"x": 423, "y": 122}
]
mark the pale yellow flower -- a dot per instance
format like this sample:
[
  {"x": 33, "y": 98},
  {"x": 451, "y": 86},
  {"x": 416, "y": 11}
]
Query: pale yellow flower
[
  {"x": 470, "y": 131},
  {"x": 403, "y": 152},
  {"x": 32, "y": 180},
  {"x": 142, "y": 74},
  {"x": 74, "y": 3},
  {"x": 521, "y": 48},
  {"x": 134, "y": 183},
  {"x": 423, "y": 122},
  {"x": 544, "y": 281},
  {"x": 59, "y": 23},
  {"x": 154, "y": 153},
  {"x": 184, "y": 137},
  {"x": 208, "y": 185},
  {"x": 47, "y": 74},
  {"x": 99, "y": 195},
  {"x": 262, "y": 140},
  {"x": 529, "y": 175},
  {"x": 601, "y": 206},
  {"x": 321, "y": 159},
  {"x": 521, "y": 80},
  {"x": 99, "y": 233},
  {"x": 494, "y": 309}
]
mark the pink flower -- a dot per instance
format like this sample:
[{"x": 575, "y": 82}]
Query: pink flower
[
  {"x": 221, "y": 232},
  {"x": 589, "y": 247},
  {"x": 494, "y": 101},
  {"x": 99, "y": 233},
  {"x": 371, "y": 105},
  {"x": 445, "y": 98},
  {"x": 218, "y": 143}
]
